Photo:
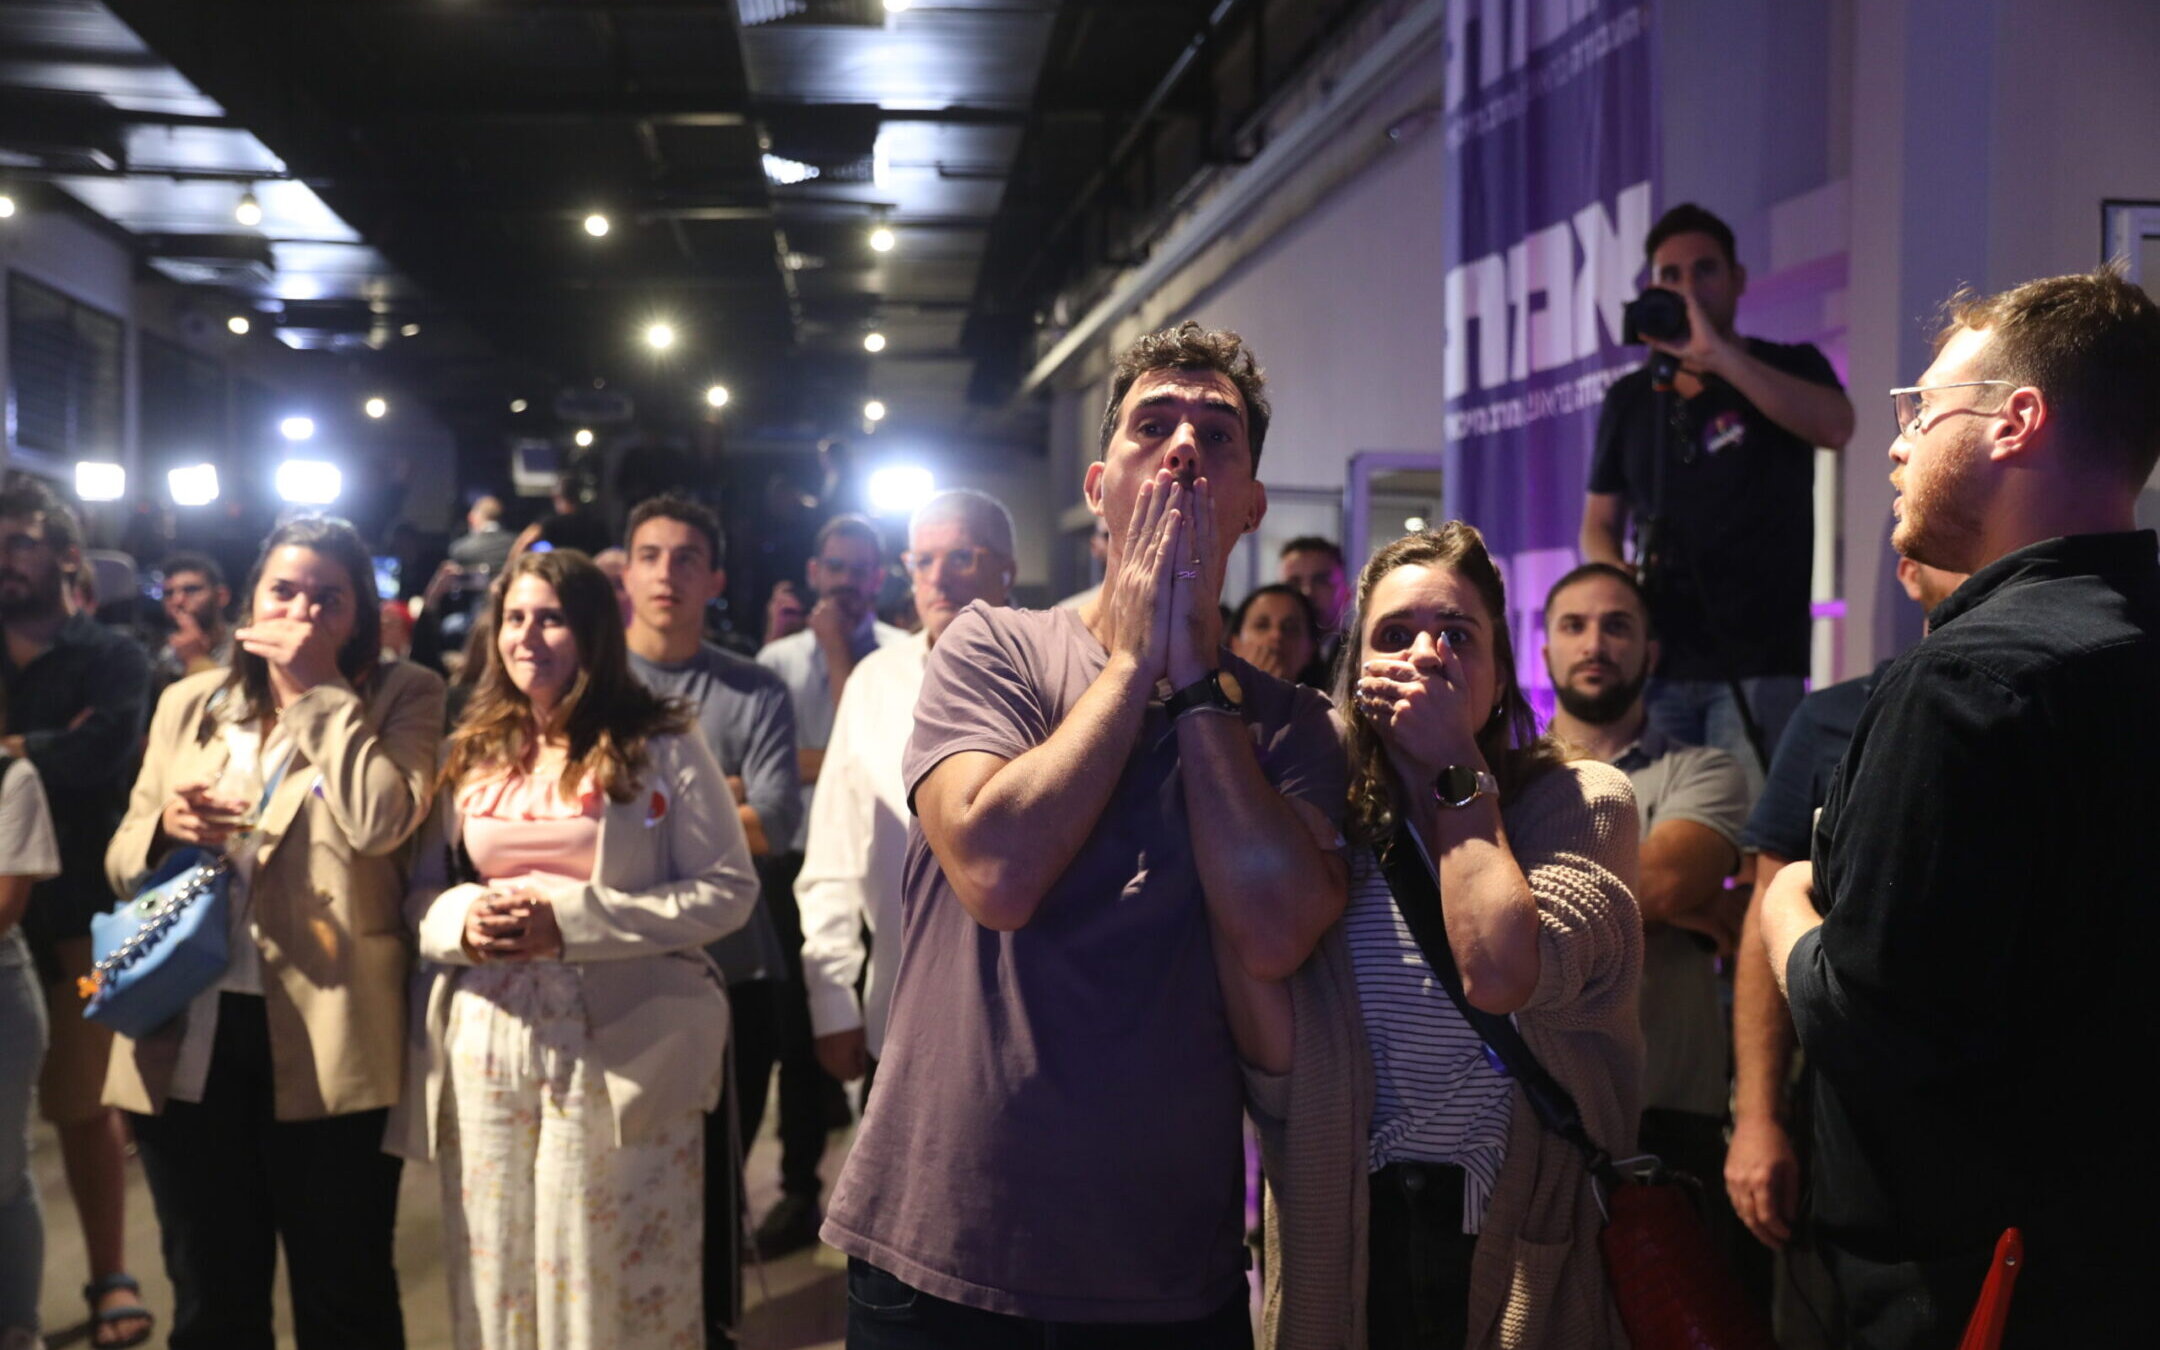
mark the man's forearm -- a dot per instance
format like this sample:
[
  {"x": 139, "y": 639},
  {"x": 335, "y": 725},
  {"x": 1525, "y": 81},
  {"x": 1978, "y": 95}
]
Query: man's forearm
[
  {"x": 1008, "y": 839},
  {"x": 1788, "y": 914},
  {"x": 753, "y": 828},
  {"x": 1762, "y": 1024},
  {"x": 1271, "y": 889},
  {"x": 1817, "y": 413},
  {"x": 1601, "y": 543}
]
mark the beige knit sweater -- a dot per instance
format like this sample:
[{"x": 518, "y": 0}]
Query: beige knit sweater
[{"x": 1537, "y": 1279}]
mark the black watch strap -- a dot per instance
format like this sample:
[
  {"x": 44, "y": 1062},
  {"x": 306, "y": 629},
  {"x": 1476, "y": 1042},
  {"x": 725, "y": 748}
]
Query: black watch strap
[{"x": 1205, "y": 692}]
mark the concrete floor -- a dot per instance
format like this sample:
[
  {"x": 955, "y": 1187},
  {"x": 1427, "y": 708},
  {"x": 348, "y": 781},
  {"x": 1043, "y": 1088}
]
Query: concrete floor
[{"x": 800, "y": 1303}]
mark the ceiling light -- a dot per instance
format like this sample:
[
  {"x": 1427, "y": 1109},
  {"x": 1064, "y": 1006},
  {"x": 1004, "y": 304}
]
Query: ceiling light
[
  {"x": 377, "y": 407},
  {"x": 410, "y": 330},
  {"x": 517, "y": 405},
  {"x": 238, "y": 325},
  {"x": 898, "y": 6},
  {"x": 898, "y": 488},
  {"x": 296, "y": 428},
  {"x": 660, "y": 336},
  {"x": 249, "y": 211},
  {"x": 583, "y": 437},
  {"x": 596, "y": 225},
  {"x": 788, "y": 172},
  {"x": 873, "y": 342},
  {"x": 717, "y": 396},
  {"x": 193, "y": 484},
  {"x": 97, "y": 481},
  {"x": 873, "y": 411},
  {"x": 309, "y": 482},
  {"x": 7, "y": 206},
  {"x": 882, "y": 239}
]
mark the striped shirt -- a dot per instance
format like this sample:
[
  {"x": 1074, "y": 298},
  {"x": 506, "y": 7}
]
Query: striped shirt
[{"x": 1436, "y": 1099}]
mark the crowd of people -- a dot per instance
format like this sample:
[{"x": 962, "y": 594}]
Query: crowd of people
[{"x": 1079, "y": 894}]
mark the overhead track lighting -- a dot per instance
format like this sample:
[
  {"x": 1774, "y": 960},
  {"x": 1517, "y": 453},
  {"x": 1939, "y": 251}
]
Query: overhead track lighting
[
  {"x": 660, "y": 336},
  {"x": 7, "y": 206},
  {"x": 249, "y": 211},
  {"x": 584, "y": 437},
  {"x": 377, "y": 407},
  {"x": 873, "y": 411},
  {"x": 873, "y": 342},
  {"x": 882, "y": 239},
  {"x": 716, "y": 396},
  {"x": 238, "y": 325},
  {"x": 596, "y": 225},
  {"x": 193, "y": 484},
  {"x": 99, "y": 481},
  {"x": 309, "y": 482}
]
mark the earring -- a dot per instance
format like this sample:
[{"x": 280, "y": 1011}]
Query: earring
[{"x": 1499, "y": 710}]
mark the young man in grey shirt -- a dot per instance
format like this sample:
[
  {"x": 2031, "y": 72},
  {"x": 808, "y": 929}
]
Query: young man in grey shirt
[
  {"x": 743, "y": 709},
  {"x": 1109, "y": 806}
]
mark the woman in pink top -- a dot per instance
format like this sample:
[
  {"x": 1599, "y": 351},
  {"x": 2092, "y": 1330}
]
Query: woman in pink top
[{"x": 573, "y": 1030}]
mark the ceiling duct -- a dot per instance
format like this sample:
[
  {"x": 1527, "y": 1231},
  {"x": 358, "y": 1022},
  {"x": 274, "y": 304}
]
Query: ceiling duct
[{"x": 240, "y": 262}]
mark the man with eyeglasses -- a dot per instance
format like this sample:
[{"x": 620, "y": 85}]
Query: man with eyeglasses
[
  {"x": 846, "y": 569},
  {"x": 74, "y": 694},
  {"x": 1974, "y": 994},
  {"x": 1716, "y": 473},
  {"x": 960, "y": 551}
]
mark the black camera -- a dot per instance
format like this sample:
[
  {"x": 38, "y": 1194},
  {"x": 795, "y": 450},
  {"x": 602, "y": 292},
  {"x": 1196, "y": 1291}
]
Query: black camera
[{"x": 1658, "y": 314}]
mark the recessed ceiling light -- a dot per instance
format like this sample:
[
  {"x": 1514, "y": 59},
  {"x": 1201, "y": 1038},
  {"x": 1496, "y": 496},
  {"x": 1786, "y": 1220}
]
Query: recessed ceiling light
[
  {"x": 873, "y": 342},
  {"x": 717, "y": 396},
  {"x": 583, "y": 438},
  {"x": 249, "y": 211},
  {"x": 238, "y": 325},
  {"x": 377, "y": 407},
  {"x": 882, "y": 239},
  {"x": 596, "y": 225},
  {"x": 517, "y": 405},
  {"x": 873, "y": 411},
  {"x": 7, "y": 206},
  {"x": 410, "y": 330}
]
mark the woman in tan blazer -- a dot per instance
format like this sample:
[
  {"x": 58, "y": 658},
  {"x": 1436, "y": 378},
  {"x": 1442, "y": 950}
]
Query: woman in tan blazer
[
  {"x": 569, "y": 1032},
  {"x": 259, "y": 1112}
]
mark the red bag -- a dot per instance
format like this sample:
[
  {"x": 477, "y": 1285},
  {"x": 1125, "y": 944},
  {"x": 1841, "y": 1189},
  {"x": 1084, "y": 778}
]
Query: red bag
[{"x": 1673, "y": 1289}]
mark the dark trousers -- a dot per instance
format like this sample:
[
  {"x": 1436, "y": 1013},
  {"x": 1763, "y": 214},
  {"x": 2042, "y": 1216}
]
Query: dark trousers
[
  {"x": 1418, "y": 1277},
  {"x": 886, "y": 1313},
  {"x": 230, "y": 1182},
  {"x": 1695, "y": 1144},
  {"x": 729, "y": 1128},
  {"x": 806, "y": 1090}
]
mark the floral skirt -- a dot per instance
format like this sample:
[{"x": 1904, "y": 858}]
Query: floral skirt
[{"x": 555, "y": 1236}]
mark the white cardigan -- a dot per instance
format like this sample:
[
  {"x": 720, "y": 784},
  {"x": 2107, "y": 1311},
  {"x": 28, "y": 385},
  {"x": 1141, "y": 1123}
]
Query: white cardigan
[{"x": 672, "y": 873}]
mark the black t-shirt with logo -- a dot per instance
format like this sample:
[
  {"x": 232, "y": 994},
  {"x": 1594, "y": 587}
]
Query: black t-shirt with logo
[{"x": 1732, "y": 547}]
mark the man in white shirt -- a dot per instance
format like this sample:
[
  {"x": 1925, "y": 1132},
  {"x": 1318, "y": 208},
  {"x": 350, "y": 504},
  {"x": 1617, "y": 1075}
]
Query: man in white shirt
[
  {"x": 846, "y": 570},
  {"x": 960, "y": 550}
]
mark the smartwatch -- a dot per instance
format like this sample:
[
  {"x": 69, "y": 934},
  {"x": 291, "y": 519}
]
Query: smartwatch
[
  {"x": 1214, "y": 691},
  {"x": 1459, "y": 785}
]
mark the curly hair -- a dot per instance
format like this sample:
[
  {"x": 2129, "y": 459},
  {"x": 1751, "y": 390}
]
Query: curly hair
[
  {"x": 1509, "y": 741},
  {"x": 606, "y": 715},
  {"x": 1191, "y": 347}
]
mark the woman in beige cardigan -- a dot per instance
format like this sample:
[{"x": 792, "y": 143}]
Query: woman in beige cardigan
[
  {"x": 259, "y": 1112},
  {"x": 569, "y": 1032},
  {"x": 1414, "y": 1197}
]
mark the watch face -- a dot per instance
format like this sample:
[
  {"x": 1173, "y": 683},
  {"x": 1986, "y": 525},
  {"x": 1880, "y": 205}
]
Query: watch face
[
  {"x": 1227, "y": 682},
  {"x": 1456, "y": 785}
]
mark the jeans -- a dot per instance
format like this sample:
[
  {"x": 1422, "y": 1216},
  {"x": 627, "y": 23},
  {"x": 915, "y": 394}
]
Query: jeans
[
  {"x": 1418, "y": 1258},
  {"x": 22, "y": 1050},
  {"x": 1702, "y": 712},
  {"x": 230, "y": 1181},
  {"x": 886, "y": 1313}
]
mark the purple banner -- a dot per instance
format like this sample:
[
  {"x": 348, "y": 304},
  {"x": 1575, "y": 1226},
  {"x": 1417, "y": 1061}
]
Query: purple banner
[{"x": 1552, "y": 138}]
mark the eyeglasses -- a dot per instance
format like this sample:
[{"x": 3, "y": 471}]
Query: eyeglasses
[
  {"x": 964, "y": 561},
  {"x": 20, "y": 543},
  {"x": 842, "y": 567},
  {"x": 1911, "y": 404}
]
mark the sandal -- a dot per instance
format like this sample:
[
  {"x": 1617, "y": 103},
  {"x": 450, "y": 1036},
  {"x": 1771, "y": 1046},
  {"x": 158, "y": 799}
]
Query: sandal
[{"x": 100, "y": 1318}]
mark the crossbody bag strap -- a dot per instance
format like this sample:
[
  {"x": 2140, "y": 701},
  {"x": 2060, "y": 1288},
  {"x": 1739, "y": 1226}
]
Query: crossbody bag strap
[{"x": 1417, "y": 898}]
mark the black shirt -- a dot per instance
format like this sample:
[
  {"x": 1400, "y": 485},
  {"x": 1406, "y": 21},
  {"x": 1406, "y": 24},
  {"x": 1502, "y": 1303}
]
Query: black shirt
[
  {"x": 87, "y": 769},
  {"x": 1977, "y": 1002},
  {"x": 1729, "y": 560},
  {"x": 1808, "y": 753}
]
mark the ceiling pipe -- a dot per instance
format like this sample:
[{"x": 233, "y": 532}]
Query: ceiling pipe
[{"x": 1287, "y": 153}]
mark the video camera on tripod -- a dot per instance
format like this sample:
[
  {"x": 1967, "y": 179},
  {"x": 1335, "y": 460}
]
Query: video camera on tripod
[{"x": 1657, "y": 315}]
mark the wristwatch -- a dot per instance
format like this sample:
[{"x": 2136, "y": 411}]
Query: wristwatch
[
  {"x": 1214, "y": 690},
  {"x": 1459, "y": 785}
]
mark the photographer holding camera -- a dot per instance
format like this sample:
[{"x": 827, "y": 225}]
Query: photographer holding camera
[{"x": 1709, "y": 449}]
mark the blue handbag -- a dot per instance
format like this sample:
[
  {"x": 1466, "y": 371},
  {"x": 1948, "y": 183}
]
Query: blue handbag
[
  {"x": 157, "y": 951},
  {"x": 173, "y": 940}
]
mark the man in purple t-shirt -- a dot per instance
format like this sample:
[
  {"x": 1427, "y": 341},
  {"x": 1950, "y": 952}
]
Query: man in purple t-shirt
[{"x": 1108, "y": 805}]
